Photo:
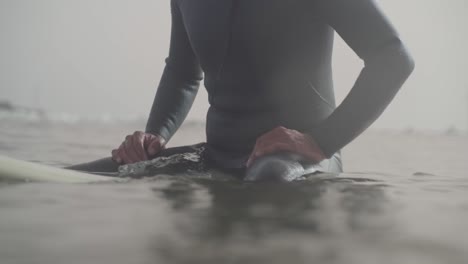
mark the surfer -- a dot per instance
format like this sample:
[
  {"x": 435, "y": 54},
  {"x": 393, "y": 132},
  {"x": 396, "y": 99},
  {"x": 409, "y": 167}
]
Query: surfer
[{"x": 267, "y": 67}]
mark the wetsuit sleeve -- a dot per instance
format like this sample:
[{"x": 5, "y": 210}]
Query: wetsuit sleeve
[
  {"x": 179, "y": 82},
  {"x": 387, "y": 65}
]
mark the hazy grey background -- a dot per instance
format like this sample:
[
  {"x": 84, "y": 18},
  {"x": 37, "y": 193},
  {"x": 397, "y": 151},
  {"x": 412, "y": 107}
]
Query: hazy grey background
[{"x": 105, "y": 57}]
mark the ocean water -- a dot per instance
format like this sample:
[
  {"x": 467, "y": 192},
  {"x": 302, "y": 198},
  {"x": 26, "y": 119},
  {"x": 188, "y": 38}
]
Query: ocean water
[{"x": 403, "y": 199}]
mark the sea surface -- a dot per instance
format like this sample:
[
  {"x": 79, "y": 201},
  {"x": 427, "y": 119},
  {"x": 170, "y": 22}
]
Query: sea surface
[{"x": 403, "y": 199}]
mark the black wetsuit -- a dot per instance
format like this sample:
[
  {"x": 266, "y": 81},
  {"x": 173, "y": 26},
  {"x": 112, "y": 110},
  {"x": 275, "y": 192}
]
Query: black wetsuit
[{"x": 268, "y": 63}]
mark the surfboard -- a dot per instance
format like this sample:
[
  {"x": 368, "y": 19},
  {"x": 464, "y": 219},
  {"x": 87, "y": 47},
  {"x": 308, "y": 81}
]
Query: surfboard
[{"x": 18, "y": 170}]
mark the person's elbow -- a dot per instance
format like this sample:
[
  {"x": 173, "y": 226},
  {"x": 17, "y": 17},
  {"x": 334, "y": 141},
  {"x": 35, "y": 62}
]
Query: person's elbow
[
  {"x": 392, "y": 57},
  {"x": 404, "y": 61}
]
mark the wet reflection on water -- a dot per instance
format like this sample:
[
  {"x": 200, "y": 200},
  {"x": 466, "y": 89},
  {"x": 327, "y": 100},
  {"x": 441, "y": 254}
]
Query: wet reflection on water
[
  {"x": 270, "y": 222},
  {"x": 345, "y": 219}
]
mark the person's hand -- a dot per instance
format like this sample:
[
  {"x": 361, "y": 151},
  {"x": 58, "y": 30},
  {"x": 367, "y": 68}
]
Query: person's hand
[
  {"x": 137, "y": 147},
  {"x": 282, "y": 139}
]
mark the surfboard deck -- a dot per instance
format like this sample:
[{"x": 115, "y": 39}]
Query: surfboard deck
[{"x": 18, "y": 170}]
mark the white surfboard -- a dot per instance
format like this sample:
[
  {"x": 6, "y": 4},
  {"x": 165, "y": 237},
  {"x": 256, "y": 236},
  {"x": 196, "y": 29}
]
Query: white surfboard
[{"x": 17, "y": 170}]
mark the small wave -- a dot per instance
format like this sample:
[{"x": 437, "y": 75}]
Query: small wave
[
  {"x": 14, "y": 113},
  {"x": 17, "y": 113},
  {"x": 39, "y": 116}
]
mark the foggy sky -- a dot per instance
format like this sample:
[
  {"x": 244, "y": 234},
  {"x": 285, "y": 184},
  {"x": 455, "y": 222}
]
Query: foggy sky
[{"x": 106, "y": 57}]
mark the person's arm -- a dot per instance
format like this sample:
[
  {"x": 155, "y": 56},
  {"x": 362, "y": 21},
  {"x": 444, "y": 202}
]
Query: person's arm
[
  {"x": 388, "y": 64},
  {"x": 179, "y": 83}
]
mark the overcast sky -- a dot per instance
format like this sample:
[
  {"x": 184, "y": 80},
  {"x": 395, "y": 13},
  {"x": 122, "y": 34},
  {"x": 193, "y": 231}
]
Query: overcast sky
[{"x": 106, "y": 56}]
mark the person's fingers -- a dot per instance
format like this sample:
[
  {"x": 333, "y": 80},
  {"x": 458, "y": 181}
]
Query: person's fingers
[
  {"x": 122, "y": 155},
  {"x": 278, "y": 134},
  {"x": 133, "y": 147},
  {"x": 283, "y": 139},
  {"x": 264, "y": 141},
  {"x": 115, "y": 156},
  {"x": 271, "y": 149},
  {"x": 130, "y": 151},
  {"x": 257, "y": 153},
  {"x": 251, "y": 159},
  {"x": 314, "y": 151},
  {"x": 124, "y": 152},
  {"x": 275, "y": 148},
  {"x": 148, "y": 139},
  {"x": 313, "y": 156},
  {"x": 138, "y": 145},
  {"x": 154, "y": 146},
  {"x": 278, "y": 131},
  {"x": 253, "y": 156},
  {"x": 261, "y": 141}
]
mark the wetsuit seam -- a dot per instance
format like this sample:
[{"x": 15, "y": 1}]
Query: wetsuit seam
[{"x": 312, "y": 86}]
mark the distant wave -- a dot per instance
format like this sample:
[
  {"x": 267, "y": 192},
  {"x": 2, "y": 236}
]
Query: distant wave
[
  {"x": 66, "y": 118},
  {"x": 13, "y": 113}
]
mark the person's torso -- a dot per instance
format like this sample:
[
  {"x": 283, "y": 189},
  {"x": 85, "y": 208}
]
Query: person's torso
[{"x": 266, "y": 62}]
